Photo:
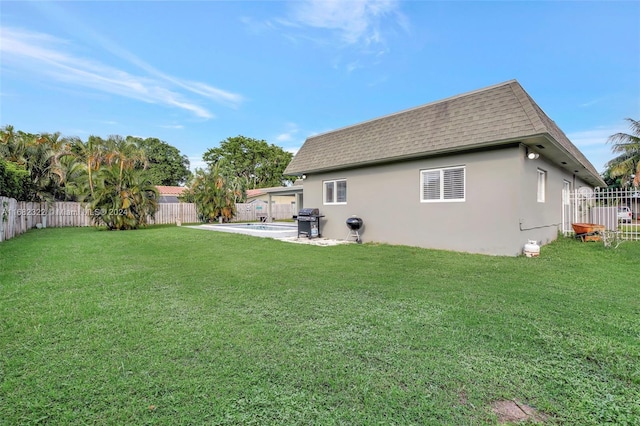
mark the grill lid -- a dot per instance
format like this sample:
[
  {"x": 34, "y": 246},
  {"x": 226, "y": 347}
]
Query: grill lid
[
  {"x": 309, "y": 212},
  {"x": 354, "y": 223}
]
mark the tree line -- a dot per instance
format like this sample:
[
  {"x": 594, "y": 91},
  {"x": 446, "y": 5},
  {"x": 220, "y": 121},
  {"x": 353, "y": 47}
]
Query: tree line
[{"x": 116, "y": 177}]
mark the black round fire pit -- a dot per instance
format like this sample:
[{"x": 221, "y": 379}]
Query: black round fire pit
[{"x": 354, "y": 224}]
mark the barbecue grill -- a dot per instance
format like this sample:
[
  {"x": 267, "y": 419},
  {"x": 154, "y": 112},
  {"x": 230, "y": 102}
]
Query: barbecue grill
[
  {"x": 354, "y": 224},
  {"x": 309, "y": 222}
]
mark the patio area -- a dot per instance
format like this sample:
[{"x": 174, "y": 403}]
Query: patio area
[{"x": 279, "y": 231}]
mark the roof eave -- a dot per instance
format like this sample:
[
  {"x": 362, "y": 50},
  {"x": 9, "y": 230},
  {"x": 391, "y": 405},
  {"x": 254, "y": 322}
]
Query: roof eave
[
  {"x": 575, "y": 165},
  {"x": 434, "y": 153},
  {"x": 286, "y": 190}
]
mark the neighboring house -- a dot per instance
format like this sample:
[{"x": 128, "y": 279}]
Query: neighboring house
[
  {"x": 169, "y": 194},
  {"x": 262, "y": 194},
  {"x": 480, "y": 172},
  {"x": 277, "y": 197}
]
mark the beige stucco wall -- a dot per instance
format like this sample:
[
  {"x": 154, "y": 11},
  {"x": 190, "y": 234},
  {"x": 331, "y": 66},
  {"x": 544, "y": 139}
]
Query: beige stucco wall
[
  {"x": 277, "y": 199},
  {"x": 501, "y": 193}
]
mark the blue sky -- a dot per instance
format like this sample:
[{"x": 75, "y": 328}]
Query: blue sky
[{"x": 195, "y": 73}]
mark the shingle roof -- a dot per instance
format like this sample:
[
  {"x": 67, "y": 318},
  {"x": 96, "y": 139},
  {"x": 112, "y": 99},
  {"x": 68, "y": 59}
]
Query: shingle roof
[{"x": 490, "y": 116}]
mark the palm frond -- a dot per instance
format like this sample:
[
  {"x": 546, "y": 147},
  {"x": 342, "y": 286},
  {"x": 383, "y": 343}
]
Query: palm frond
[{"x": 627, "y": 164}]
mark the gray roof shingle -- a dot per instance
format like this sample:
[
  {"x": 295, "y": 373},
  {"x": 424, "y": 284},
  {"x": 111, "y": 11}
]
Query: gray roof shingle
[{"x": 489, "y": 116}]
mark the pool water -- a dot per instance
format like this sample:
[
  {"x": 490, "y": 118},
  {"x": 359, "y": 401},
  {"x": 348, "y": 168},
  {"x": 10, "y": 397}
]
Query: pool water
[
  {"x": 261, "y": 227},
  {"x": 268, "y": 230}
]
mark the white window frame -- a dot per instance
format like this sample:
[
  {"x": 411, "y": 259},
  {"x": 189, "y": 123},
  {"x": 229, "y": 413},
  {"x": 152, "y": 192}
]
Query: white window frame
[
  {"x": 334, "y": 200},
  {"x": 441, "y": 182},
  {"x": 542, "y": 186},
  {"x": 566, "y": 192}
]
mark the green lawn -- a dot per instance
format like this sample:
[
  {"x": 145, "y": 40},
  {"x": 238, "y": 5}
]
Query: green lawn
[{"x": 178, "y": 326}]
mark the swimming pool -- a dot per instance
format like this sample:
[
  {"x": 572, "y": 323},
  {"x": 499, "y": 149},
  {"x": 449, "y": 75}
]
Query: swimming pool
[
  {"x": 261, "y": 226},
  {"x": 268, "y": 230}
]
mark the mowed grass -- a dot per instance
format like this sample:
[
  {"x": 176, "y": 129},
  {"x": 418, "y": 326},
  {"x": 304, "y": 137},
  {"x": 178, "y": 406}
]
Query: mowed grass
[{"x": 178, "y": 326}]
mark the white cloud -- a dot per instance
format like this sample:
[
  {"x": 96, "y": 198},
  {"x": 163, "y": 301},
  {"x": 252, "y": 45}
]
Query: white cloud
[
  {"x": 356, "y": 21},
  {"x": 219, "y": 95},
  {"x": 597, "y": 136},
  {"x": 284, "y": 137},
  {"x": 593, "y": 143},
  {"x": 196, "y": 163},
  {"x": 361, "y": 27},
  {"x": 353, "y": 66},
  {"x": 44, "y": 55},
  {"x": 290, "y": 139},
  {"x": 289, "y": 134},
  {"x": 590, "y": 103}
]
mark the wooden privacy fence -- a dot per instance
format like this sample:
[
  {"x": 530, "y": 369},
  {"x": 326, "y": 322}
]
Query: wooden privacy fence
[
  {"x": 19, "y": 216},
  {"x": 16, "y": 217},
  {"x": 174, "y": 212}
]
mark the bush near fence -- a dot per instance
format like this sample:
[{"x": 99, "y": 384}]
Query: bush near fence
[{"x": 16, "y": 217}]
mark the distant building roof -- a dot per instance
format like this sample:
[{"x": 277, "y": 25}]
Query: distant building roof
[
  {"x": 296, "y": 188},
  {"x": 255, "y": 192},
  {"x": 170, "y": 190},
  {"x": 492, "y": 116}
]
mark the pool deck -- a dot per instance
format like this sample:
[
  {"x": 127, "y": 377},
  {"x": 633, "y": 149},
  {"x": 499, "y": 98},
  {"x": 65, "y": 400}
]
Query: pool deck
[{"x": 286, "y": 235}]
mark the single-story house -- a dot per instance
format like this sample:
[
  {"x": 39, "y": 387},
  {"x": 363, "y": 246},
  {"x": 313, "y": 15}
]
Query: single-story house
[
  {"x": 481, "y": 172},
  {"x": 280, "y": 195},
  {"x": 263, "y": 195},
  {"x": 169, "y": 194}
]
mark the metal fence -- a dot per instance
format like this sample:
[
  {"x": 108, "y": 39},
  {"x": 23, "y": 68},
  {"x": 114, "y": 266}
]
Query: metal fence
[
  {"x": 16, "y": 217},
  {"x": 616, "y": 211}
]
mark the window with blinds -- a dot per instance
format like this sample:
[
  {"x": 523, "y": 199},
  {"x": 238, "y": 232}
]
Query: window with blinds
[
  {"x": 335, "y": 191},
  {"x": 447, "y": 184}
]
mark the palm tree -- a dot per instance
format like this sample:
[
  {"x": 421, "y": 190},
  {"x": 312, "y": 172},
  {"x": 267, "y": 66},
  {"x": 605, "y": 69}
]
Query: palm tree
[
  {"x": 92, "y": 155},
  {"x": 237, "y": 187},
  {"x": 13, "y": 155},
  {"x": 124, "y": 152},
  {"x": 213, "y": 196},
  {"x": 122, "y": 198},
  {"x": 38, "y": 155},
  {"x": 627, "y": 164},
  {"x": 13, "y": 145},
  {"x": 64, "y": 165},
  {"x": 110, "y": 178},
  {"x": 71, "y": 174}
]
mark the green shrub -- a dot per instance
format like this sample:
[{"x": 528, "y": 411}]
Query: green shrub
[{"x": 14, "y": 180}]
